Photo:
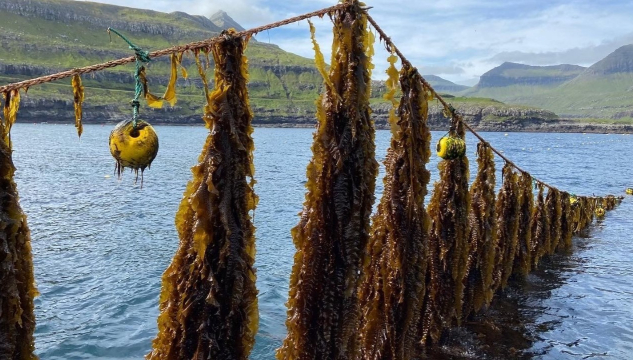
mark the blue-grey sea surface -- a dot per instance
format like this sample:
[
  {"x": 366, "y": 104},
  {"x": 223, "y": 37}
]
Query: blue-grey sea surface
[{"x": 100, "y": 244}]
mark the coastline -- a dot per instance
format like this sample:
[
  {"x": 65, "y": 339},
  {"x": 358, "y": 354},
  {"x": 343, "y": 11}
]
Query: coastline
[{"x": 527, "y": 125}]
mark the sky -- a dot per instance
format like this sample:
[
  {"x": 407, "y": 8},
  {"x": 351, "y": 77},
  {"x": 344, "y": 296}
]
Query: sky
[{"x": 456, "y": 39}]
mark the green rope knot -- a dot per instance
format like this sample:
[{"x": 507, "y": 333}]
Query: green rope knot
[{"x": 142, "y": 57}]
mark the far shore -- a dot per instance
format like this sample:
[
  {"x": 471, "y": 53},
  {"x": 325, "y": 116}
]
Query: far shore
[{"x": 557, "y": 126}]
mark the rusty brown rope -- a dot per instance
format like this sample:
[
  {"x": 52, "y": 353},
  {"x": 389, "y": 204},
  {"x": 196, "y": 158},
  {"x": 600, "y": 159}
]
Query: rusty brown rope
[
  {"x": 174, "y": 49},
  {"x": 448, "y": 107}
]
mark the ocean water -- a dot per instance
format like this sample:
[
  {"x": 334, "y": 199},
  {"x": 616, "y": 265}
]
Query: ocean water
[{"x": 101, "y": 244}]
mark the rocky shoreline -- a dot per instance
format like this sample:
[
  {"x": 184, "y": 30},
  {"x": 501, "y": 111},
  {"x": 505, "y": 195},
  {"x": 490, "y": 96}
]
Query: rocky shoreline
[{"x": 489, "y": 118}]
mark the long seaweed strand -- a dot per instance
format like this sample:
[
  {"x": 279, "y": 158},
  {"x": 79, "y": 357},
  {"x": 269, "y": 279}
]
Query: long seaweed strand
[
  {"x": 448, "y": 250},
  {"x": 17, "y": 283},
  {"x": 540, "y": 227},
  {"x": 394, "y": 272},
  {"x": 208, "y": 302},
  {"x": 332, "y": 235},
  {"x": 523, "y": 260},
  {"x": 508, "y": 208},
  {"x": 482, "y": 237}
]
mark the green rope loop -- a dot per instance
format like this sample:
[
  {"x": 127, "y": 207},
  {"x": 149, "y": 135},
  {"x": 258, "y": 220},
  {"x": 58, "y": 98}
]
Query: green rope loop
[{"x": 142, "y": 57}]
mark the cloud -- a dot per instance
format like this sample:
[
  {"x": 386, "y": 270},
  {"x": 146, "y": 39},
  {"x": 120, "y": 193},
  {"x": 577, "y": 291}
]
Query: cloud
[
  {"x": 442, "y": 70},
  {"x": 581, "y": 56}
]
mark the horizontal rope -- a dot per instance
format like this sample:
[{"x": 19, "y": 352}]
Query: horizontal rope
[{"x": 168, "y": 51}]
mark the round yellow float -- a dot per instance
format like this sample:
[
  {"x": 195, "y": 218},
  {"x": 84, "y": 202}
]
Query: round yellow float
[
  {"x": 132, "y": 147},
  {"x": 450, "y": 147},
  {"x": 629, "y": 191},
  {"x": 573, "y": 200},
  {"x": 600, "y": 212}
]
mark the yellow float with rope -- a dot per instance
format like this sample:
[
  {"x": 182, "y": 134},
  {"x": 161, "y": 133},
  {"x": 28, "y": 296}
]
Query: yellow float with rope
[
  {"x": 600, "y": 212},
  {"x": 133, "y": 147},
  {"x": 629, "y": 191},
  {"x": 451, "y": 147},
  {"x": 134, "y": 143}
]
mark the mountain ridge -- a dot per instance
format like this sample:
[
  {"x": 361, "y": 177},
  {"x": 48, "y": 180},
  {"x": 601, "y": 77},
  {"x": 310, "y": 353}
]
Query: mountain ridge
[{"x": 602, "y": 91}]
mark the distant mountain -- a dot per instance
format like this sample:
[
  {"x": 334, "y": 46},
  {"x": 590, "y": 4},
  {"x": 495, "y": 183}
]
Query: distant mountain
[
  {"x": 444, "y": 86},
  {"x": 619, "y": 61},
  {"x": 602, "y": 91},
  {"x": 509, "y": 73},
  {"x": 222, "y": 20}
]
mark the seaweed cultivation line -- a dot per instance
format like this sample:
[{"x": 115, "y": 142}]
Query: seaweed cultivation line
[{"x": 359, "y": 289}]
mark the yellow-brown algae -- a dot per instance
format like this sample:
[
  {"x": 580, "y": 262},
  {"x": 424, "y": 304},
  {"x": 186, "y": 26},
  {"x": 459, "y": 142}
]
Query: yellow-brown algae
[
  {"x": 393, "y": 284},
  {"x": 332, "y": 234},
  {"x": 208, "y": 303}
]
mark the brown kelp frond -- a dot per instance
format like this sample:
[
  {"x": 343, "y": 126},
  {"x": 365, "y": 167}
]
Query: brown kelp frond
[
  {"x": 17, "y": 284},
  {"x": 449, "y": 247},
  {"x": 523, "y": 260},
  {"x": 555, "y": 212},
  {"x": 209, "y": 301},
  {"x": 331, "y": 237},
  {"x": 540, "y": 227},
  {"x": 319, "y": 60},
  {"x": 153, "y": 101},
  {"x": 10, "y": 110},
  {"x": 170, "y": 92},
  {"x": 208, "y": 109},
  {"x": 78, "y": 95},
  {"x": 566, "y": 222},
  {"x": 482, "y": 237},
  {"x": 508, "y": 209},
  {"x": 393, "y": 286}
]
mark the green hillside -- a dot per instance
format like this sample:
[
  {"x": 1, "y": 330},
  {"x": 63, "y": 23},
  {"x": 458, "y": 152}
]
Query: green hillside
[{"x": 40, "y": 37}]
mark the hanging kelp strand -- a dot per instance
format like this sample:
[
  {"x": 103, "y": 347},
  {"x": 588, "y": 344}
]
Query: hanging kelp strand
[
  {"x": 555, "y": 212},
  {"x": 449, "y": 207},
  {"x": 331, "y": 237},
  {"x": 208, "y": 303},
  {"x": 10, "y": 111},
  {"x": 170, "y": 92},
  {"x": 482, "y": 237},
  {"x": 78, "y": 96},
  {"x": 17, "y": 284},
  {"x": 393, "y": 286},
  {"x": 566, "y": 225},
  {"x": 540, "y": 227},
  {"x": 523, "y": 257},
  {"x": 508, "y": 209}
]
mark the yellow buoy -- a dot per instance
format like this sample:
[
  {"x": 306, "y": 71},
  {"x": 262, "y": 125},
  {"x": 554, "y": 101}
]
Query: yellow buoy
[
  {"x": 629, "y": 191},
  {"x": 573, "y": 200},
  {"x": 450, "y": 147},
  {"x": 131, "y": 147},
  {"x": 600, "y": 212}
]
